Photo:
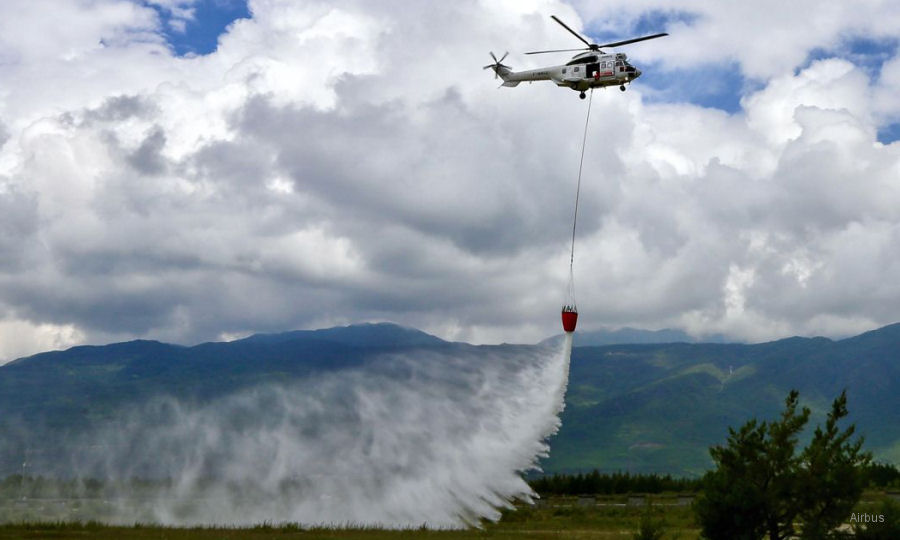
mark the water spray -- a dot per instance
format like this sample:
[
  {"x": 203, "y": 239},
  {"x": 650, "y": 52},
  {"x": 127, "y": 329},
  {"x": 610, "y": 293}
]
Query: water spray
[{"x": 438, "y": 436}]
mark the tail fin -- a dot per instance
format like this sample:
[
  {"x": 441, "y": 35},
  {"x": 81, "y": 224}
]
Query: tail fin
[{"x": 508, "y": 82}]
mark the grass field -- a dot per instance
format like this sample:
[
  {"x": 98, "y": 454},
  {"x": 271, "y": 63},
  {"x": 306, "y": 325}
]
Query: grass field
[
  {"x": 557, "y": 517},
  {"x": 608, "y": 517}
]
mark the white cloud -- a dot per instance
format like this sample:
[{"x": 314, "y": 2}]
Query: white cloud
[
  {"x": 20, "y": 338},
  {"x": 832, "y": 85},
  {"x": 343, "y": 162}
]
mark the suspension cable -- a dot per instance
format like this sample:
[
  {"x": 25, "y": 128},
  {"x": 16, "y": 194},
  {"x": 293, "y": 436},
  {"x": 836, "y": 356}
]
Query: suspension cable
[{"x": 578, "y": 193}]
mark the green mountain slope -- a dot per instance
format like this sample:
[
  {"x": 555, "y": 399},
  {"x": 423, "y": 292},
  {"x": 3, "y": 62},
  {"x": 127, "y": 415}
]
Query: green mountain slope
[
  {"x": 642, "y": 408},
  {"x": 657, "y": 408}
]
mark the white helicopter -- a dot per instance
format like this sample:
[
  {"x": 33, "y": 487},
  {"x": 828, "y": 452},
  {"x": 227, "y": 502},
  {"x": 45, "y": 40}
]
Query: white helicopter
[{"x": 590, "y": 69}]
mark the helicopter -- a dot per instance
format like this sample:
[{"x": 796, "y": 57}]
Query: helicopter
[{"x": 592, "y": 68}]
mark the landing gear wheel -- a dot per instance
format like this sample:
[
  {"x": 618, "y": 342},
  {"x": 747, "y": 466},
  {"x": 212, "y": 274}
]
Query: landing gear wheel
[
  {"x": 582, "y": 95},
  {"x": 622, "y": 88}
]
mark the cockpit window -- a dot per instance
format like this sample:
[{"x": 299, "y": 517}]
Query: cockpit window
[{"x": 582, "y": 60}]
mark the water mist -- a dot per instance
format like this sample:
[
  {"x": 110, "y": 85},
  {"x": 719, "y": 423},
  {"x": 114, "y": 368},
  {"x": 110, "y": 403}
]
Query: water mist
[{"x": 435, "y": 437}]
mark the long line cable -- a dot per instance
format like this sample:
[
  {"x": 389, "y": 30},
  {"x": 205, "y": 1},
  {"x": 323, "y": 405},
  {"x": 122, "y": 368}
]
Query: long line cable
[{"x": 577, "y": 194}]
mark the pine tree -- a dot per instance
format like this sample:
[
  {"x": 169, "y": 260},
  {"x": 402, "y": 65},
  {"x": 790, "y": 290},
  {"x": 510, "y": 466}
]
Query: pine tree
[
  {"x": 832, "y": 481},
  {"x": 762, "y": 486}
]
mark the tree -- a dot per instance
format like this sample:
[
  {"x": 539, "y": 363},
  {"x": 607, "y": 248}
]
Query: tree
[
  {"x": 748, "y": 494},
  {"x": 762, "y": 486},
  {"x": 833, "y": 478}
]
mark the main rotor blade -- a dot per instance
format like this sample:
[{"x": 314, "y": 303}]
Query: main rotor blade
[
  {"x": 559, "y": 50},
  {"x": 633, "y": 40},
  {"x": 574, "y": 33}
]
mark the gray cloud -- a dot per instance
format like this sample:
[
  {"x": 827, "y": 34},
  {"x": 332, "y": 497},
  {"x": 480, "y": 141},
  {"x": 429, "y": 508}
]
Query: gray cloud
[
  {"x": 437, "y": 178},
  {"x": 18, "y": 225},
  {"x": 147, "y": 159},
  {"x": 121, "y": 108}
]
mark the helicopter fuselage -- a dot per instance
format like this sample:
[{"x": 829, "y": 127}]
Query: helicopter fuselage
[
  {"x": 586, "y": 70},
  {"x": 592, "y": 68}
]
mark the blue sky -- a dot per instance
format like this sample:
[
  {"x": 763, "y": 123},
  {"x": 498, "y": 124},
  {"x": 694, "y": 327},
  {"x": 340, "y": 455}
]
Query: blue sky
[{"x": 211, "y": 18}]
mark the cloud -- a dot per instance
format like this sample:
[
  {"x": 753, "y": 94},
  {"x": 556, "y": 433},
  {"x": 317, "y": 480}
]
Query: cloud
[
  {"x": 18, "y": 224},
  {"x": 20, "y": 338},
  {"x": 335, "y": 163}
]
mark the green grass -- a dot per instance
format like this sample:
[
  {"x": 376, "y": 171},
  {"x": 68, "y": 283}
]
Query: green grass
[
  {"x": 611, "y": 517},
  {"x": 605, "y": 517}
]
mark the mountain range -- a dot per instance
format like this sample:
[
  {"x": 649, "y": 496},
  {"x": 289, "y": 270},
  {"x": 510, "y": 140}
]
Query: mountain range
[
  {"x": 658, "y": 407},
  {"x": 638, "y": 336},
  {"x": 645, "y": 407}
]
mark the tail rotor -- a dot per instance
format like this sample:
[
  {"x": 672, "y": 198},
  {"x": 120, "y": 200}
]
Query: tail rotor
[{"x": 497, "y": 65}]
